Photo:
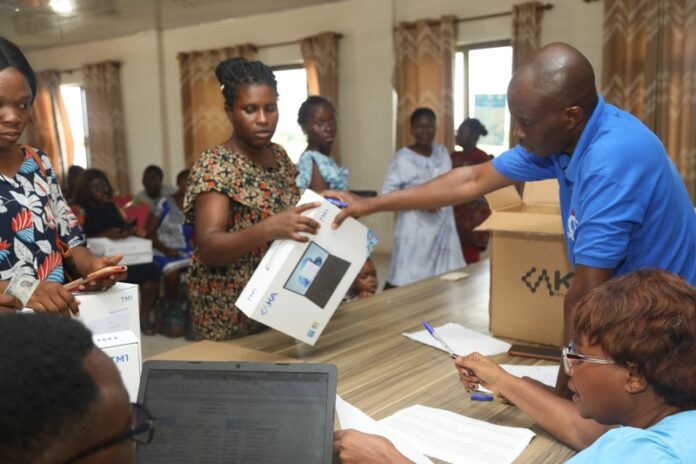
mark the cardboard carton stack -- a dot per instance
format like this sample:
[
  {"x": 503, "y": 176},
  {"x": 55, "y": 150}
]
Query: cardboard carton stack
[{"x": 530, "y": 272}]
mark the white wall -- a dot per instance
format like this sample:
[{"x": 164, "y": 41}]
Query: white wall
[{"x": 366, "y": 107}]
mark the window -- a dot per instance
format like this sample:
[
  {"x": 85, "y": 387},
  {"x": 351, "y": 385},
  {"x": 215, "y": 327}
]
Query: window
[
  {"x": 481, "y": 76},
  {"x": 292, "y": 91},
  {"x": 73, "y": 98}
]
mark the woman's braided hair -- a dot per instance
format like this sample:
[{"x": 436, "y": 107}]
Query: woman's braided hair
[{"x": 235, "y": 73}]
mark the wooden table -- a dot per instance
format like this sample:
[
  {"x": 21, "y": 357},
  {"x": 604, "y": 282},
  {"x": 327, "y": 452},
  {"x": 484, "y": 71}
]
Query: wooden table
[{"x": 380, "y": 371}]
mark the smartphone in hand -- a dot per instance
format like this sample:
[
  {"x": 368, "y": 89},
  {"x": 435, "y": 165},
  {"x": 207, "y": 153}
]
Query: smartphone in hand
[{"x": 103, "y": 273}]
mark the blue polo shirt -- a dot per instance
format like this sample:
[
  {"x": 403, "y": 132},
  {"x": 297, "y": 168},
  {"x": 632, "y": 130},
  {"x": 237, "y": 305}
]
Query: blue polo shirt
[{"x": 623, "y": 203}]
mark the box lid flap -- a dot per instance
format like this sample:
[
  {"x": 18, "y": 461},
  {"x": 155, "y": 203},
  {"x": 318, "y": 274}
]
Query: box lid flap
[
  {"x": 532, "y": 223},
  {"x": 541, "y": 192},
  {"x": 503, "y": 198}
]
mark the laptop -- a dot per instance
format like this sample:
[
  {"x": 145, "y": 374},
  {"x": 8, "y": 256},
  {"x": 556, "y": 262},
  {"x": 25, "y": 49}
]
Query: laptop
[{"x": 238, "y": 412}]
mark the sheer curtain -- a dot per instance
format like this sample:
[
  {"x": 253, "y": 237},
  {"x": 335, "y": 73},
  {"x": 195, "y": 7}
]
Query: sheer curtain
[
  {"x": 320, "y": 55},
  {"x": 49, "y": 128},
  {"x": 423, "y": 73},
  {"x": 105, "y": 124},
  {"x": 649, "y": 69},
  {"x": 205, "y": 121}
]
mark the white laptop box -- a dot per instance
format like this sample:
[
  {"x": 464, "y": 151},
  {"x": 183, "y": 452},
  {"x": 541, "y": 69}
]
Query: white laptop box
[
  {"x": 112, "y": 310},
  {"x": 124, "y": 348},
  {"x": 135, "y": 250},
  {"x": 298, "y": 286}
]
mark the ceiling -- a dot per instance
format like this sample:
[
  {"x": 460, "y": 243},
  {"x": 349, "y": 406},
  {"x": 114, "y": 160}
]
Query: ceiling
[{"x": 34, "y": 25}]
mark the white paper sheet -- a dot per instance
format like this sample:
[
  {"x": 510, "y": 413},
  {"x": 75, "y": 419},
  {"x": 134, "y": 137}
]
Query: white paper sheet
[
  {"x": 455, "y": 438},
  {"x": 351, "y": 417},
  {"x": 544, "y": 374},
  {"x": 462, "y": 340}
]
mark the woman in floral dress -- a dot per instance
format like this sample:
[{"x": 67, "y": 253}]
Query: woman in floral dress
[
  {"x": 39, "y": 235},
  {"x": 240, "y": 197}
]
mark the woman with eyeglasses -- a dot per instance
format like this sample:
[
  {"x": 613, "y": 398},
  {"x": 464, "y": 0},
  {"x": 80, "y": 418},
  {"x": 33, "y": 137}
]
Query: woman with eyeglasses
[{"x": 632, "y": 370}]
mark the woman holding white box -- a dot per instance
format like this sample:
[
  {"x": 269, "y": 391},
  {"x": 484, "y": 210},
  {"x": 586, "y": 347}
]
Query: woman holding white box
[{"x": 240, "y": 197}]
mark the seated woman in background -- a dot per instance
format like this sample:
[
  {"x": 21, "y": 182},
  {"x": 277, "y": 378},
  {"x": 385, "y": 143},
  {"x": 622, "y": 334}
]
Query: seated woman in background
[
  {"x": 39, "y": 235},
  {"x": 469, "y": 215},
  {"x": 425, "y": 242},
  {"x": 315, "y": 168},
  {"x": 240, "y": 196},
  {"x": 101, "y": 218},
  {"x": 631, "y": 364},
  {"x": 172, "y": 246}
]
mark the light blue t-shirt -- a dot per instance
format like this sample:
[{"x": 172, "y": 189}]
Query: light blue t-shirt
[
  {"x": 623, "y": 203},
  {"x": 672, "y": 440}
]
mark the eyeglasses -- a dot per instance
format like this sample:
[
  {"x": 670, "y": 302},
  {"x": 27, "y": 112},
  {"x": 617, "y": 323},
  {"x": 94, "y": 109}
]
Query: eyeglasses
[
  {"x": 141, "y": 430},
  {"x": 569, "y": 353}
]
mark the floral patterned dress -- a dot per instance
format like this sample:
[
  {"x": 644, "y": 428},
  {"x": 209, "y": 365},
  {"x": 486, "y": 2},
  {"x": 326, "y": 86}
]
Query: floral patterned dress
[
  {"x": 36, "y": 223},
  {"x": 255, "y": 192}
]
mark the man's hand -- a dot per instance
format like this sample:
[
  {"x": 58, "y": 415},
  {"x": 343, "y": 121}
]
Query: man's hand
[
  {"x": 51, "y": 297},
  {"x": 355, "y": 447},
  {"x": 475, "y": 369},
  {"x": 356, "y": 206}
]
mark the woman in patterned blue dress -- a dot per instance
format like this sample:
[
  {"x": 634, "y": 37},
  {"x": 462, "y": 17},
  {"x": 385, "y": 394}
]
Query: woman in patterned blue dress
[
  {"x": 315, "y": 169},
  {"x": 39, "y": 236}
]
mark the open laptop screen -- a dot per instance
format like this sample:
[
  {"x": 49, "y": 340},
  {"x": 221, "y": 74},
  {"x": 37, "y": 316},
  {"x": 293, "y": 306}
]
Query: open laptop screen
[{"x": 254, "y": 413}]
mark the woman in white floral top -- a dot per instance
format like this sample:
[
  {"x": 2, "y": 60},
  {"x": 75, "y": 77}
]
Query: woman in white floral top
[{"x": 39, "y": 231}]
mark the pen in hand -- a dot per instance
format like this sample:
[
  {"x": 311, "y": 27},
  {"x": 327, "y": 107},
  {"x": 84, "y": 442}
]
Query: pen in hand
[{"x": 434, "y": 334}]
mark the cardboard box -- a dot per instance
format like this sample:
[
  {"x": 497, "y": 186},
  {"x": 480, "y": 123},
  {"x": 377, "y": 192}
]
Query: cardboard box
[
  {"x": 135, "y": 250},
  {"x": 298, "y": 286},
  {"x": 530, "y": 271},
  {"x": 114, "y": 310},
  {"x": 124, "y": 348}
]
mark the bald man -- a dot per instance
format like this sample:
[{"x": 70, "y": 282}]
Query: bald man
[{"x": 623, "y": 204}]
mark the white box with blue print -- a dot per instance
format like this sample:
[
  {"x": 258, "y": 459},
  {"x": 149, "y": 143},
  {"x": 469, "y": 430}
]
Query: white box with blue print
[{"x": 298, "y": 286}]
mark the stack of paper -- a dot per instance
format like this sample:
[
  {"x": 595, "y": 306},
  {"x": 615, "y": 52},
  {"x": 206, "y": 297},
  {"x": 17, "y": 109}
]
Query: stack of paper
[
  {"x": 455, "y": 438},
  {"x": 351, "y": 417},
  {"x": 462, "y": 340}
]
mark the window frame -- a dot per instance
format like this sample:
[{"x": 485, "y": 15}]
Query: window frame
[{"x": 465, "y": 49}]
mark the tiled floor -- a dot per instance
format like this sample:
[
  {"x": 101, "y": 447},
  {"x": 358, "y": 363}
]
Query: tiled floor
[{"x": 155, "y": 344}]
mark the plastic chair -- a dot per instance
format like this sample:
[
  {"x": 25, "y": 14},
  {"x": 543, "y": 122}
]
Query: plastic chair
[
  {"x": 122, "y": 200},
  {"x": 139, "y": 213}
]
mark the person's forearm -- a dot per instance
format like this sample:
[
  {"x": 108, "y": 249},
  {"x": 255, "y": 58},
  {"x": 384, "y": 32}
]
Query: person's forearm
[
  {"x": 220, "y": 248},
  {"x": 560, "y": 417},
  {"x": 82, "y": 259},
  {"x": 454, "y": 187}
]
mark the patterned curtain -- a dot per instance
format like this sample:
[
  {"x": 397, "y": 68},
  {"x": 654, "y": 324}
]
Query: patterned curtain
[
  {"x": 649, "y": 69},
  {"x": 526, "y": 31},
  {"x": 320, "y": 55},
  {"x": 105, "y": 124},
  {"x": 423, "y": 75},
  {"x": 205, "y": 121},
  {"x": 49, "y": 128}
]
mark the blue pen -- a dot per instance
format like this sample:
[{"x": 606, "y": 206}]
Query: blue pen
[
  {"x": 336, "y": 202},
  {"x": 434, "y": 334},
  {"x": 481, "y": 397}
]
